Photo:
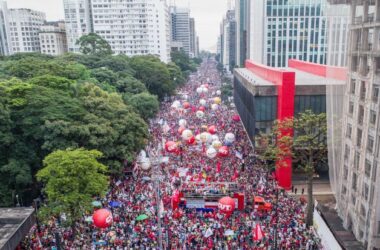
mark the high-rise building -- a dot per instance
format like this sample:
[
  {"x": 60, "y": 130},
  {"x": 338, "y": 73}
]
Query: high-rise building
[
  {"x": 282, "y": 30},
  {"x": 133, "y": 27},
  {"x": 357, "y": 181},
  {"x": 4, "y": 30},
  {"x": 193, "y": 39},
  {"x": 24, "y": 26},
  {"x": 180, "y": 26},
  {"x": 78, "y": 21},
  {"x": 228, "y": 40},
  {"x": 53, "y": 39},
  {"x": 241, "y": 17},
  {"x": 337, "y": 34}
]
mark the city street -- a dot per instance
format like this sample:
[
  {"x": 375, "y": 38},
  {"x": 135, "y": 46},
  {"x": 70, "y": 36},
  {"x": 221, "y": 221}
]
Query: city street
[{"x": 194, "y": 165}]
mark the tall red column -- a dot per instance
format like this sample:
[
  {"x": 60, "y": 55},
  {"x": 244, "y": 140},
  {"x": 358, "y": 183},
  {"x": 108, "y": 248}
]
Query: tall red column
[{"x": 285, "y": 82}]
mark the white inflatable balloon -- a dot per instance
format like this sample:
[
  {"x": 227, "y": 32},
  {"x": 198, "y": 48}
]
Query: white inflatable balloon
[
  {"x": 229, "y": 137},
  {"x": 185, "y": 97},
  {"x": 211, "y": 152},
  {"x": 216, "y": 144},
  {"x": 200, "y": 114},
  {"x": 202, "y": 102},
  {"x": 205, "y": 137},
  {"x": 214, "y": 138},
  {"x": 145, "y": 164},
  {"x": 182, "y": 123},
  {"x": 198, "y": 138},
  {"x": 176, "y": 104},
  {"x": 204, "y": 90},
  {"x": 218, "y": 92},
  {"x": 199, "y": 90},
  {"x": 187, "y": 134},
  {"x": 214, "y": 106}
]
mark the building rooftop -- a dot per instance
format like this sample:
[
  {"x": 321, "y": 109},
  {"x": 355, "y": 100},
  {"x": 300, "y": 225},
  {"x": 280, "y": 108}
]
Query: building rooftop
[
  {"x": 15, "y": 223},
  {"x": 306, "y": 74},
  {"x": 345, "y": 238}
]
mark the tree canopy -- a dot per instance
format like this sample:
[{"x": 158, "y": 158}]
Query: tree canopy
[
  {"x": 93, "y": 44},
  {"x": 72, "y": 178}
]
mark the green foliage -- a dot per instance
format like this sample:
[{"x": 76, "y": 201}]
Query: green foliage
[
  {"x": 104, "y": 75},
  {"x": 145, "y": 104},
  {"x": 55, "y": 82},
  {"x": 130, "y": 85},
  {"x": 154, "y": 75},
  {"x": 71, "y": 179},
  {"x": 93, "y": 44},
  {"x": 176, "y": 74},
  {"x": 182, "y": 60}
]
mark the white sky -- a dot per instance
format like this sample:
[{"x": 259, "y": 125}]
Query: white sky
[{"x": 207, "y": 13}]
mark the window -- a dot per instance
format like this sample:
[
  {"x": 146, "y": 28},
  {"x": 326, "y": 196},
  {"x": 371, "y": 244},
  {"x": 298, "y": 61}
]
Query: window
[
  {"x": 357, "y": 160},
  {"x": 362, "y": 211},
  {"x": 375, "y": 94},
  {"x": 349, "y": 131},
  {"x": 362, "y": 91},
  {"x": 351, "y": 108},
  {"x": 352, "y": 86},
  {"x": 365, "y": 191},
  {"x": 367, "y": 169},
  {"x": 370, "y": 143},
  {"x": 361, "y": 114},
  {"x": 346, "y": 152},
  {"x": 359, "y": 137},
  {"x": 354, "y": 181},
  {"x": 345, "y": 172},
  {"x": 372, "y": 117}
]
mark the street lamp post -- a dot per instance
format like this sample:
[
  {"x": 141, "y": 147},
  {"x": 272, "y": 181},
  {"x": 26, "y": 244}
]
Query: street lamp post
[{"x": 155, "y": 160}]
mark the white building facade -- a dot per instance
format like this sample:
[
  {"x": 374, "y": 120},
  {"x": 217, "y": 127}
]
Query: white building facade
[
  {"x": 24, "y": 26},
  {"x": 131, "y": 27},
  {"x": 53, "y": 39},
  {"x": 357, "y": 187},
  {"x": 5, "y": 41},
  {"x": 78, "y": 21}
]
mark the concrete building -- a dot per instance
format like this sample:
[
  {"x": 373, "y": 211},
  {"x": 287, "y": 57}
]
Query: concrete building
[
  {"x": 282, "y": 30},
  {"x": 78, "y": 21},
  {"x": 228, "y": 40},
  {"x": 241, "y": 17},
  {"x": 53, "y": 39},
  {"x": 5, "y": 42},
  {"x": 24, "y": 26},
  {"x": 337, "y": 34},
  {"x": 133, "y": 27},
  {"x": 263, "y": 94},
  {"x": 180, "y": 27},
  {"x": 358, "y": 191},
  {"x": 193, "y": 39}
]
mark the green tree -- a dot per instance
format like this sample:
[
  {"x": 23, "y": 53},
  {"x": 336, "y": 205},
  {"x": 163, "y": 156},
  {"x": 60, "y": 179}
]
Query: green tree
[
  {"x": 72, "y": 178},
  {"x": 308, "y": 148},
  {"x": 50, "y": 81},
  {"x": 93, "y": 44},
  {"x": 104, "y": 75},
  {"x": 145, "y": 104},
  {"x": 154, "y": 75},
  {"x": 130, "y": 85},
  {"x": 176, "y": 74}
]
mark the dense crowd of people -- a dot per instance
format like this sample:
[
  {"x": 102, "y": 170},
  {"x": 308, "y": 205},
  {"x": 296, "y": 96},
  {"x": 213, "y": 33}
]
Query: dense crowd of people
[{"x": 190, "y": 171}]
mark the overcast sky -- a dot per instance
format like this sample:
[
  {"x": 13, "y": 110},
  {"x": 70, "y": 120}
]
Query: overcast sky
[{"x": 207, "y": 13}]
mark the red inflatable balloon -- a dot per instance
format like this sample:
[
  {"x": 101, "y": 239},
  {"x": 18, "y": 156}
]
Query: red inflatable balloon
[
  {"x": 191, "y": 141},
  {"x": 212, "y": 129},
  {"x": 223, "y": 151},
  {"x": 236, "y": 118},
  {"x": 171, "y": 146},
  {"x": 186, "y": 105},
  {"x": 226, "y": 205},
  {"x": 201, "y": 108},
  {"x": 180, "y": 130},
  {"x": 102, "y": 218}
]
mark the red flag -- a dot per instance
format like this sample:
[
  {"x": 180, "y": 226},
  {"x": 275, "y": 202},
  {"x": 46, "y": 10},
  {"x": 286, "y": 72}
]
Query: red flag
[{"x": 258, "y": 233}]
